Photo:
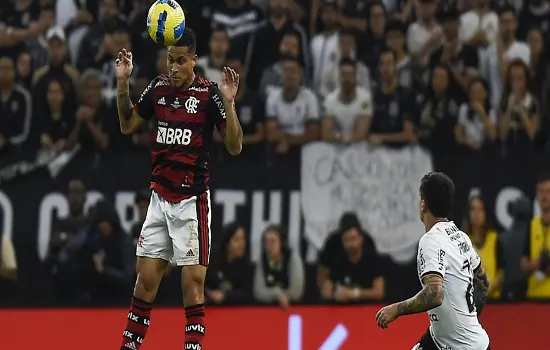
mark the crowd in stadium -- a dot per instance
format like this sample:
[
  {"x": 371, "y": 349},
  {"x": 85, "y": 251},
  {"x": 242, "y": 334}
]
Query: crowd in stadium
[{"x": 453, "y": 76}]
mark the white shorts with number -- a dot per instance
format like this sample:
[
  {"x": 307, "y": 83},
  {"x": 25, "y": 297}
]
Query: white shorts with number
[{"x": 178, "y": 232}]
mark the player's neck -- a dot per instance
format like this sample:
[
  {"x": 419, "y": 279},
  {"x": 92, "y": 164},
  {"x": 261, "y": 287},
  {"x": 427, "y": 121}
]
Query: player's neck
[
  {"x": 187, "y": 83},
  {"x": 430, "y": 221}
]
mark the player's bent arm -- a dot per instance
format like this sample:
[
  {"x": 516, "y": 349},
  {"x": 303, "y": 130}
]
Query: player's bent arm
[
  {"x": 431, "y": 296},
  {"x": 233, "y": 137},
  {"x": 130, "y": 120},
  {"x": 481, "y": 275}
]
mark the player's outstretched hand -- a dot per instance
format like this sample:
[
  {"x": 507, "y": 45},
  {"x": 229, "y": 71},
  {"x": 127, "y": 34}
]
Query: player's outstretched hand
[
  {"x": 386, "y": 315},
  {"x": 230, "y": 84},
  {"x": 124, "y": 64}
]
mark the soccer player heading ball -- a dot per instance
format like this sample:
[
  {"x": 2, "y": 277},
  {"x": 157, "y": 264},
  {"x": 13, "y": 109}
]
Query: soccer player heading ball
[
  {"x": 185, "y": 108},
  {"x": 448, "y": 267}
]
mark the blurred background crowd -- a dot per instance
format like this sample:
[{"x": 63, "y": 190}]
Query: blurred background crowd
[{"x": 466, "y": 80}]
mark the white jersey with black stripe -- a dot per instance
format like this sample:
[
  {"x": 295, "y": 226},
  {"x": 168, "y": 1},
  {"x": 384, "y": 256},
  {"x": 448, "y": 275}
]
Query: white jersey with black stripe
[{"x": 447, "y": 251}]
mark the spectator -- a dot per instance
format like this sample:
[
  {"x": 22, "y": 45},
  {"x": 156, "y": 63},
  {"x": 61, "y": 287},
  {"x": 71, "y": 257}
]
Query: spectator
[
  {"x": 487, "y": 244},
  {"x": 38, "y": 47},
  {"x": 8, "y": 261},
  {"x": 324, "y": 46},
  {"x": 266, "y": 41},
  {"x": 213, "y": 64},
  {"x": 462, "y": 59},
  {"x": 69, "y": 236},
  {"x": 292, "y": 112},
  {"x": 96, "y": 43},
  {"x": 24, "y": 70},
  {"x": 240, "y": 19},
  {"x": 424, "y": 35},
  {"x": 349, "y": 267},
  {"x": 229, "y": 279},
  {"x": 535, "y": 262},
  {"x": 15, "y": 108},
  {"x": 279, "y": 276},
  {"x": 347, "y": 50},
  {"x": 538, "y": 65},
  {"x": 395, "y": 39},
  {"x": 348, "y": 109},
  {"x": 439, "y": 112},
  {"x": 479, "y": 26},
  {"x": 393, "y": 116},
  {"x": 57, "y": 69},
  {"x": 375, "y": 40},
  {"x": 519, "y": 123},
  {"x": 272, "y": 75},
  {"x": 112, "y": 255},
  {"x": 535, "y": 14},
  {"x": 142, "y": 201},
  {"x": 249, "y": 110},
  {"x": 495, "y": 60},
  {"x": 354, "y": 17},
  {"x": 90, "y": 129},
  {"x": 476, "y": 120},
  {"x": 57, "y": 123},
  {"x": 140, "y": 36}
]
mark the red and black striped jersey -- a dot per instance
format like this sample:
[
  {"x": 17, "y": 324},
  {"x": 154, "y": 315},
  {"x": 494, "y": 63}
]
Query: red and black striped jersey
[{"x": 185, "y": 120}]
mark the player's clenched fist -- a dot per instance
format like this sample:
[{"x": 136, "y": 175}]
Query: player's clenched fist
[
  {"x": 124, "y": 64},
  {"x": 386, "y": 315}
]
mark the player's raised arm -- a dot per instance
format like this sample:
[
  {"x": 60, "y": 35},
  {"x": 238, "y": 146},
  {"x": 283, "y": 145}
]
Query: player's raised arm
[
  {"x": 129, "y": 119},
  {"x": 228, "y": 125}
]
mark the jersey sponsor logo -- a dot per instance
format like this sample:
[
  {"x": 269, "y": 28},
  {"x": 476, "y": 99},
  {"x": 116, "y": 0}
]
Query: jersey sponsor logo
[
  {"x": 219, "y": 104},
  {"x": 176, "y": 104},
  {"x": 162, "y": 83},
  {"x": 191, "y": 105},
  {"x": 441, "y": 259},
  {"x": 173, "y": 136},
  {"x": 198, "y": 89}
]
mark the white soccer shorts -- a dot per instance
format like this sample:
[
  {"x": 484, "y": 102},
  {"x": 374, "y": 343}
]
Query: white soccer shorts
[{"x": 178, "y": 232}]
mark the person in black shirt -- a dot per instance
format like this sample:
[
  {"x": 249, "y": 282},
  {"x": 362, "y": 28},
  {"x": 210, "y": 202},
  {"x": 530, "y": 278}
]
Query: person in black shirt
[
  {"x": 15, "y": 107},
  {"x": 349, "y": 267},
  {"x": 394, "y": 112},
  {"x": 57, "y": 122},
  {"x": 374, "y": 40},
  {"x": 229, "y": 276},
  {"x": 461, "y": 59}
]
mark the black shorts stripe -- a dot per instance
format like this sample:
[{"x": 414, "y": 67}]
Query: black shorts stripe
[{"x": 203, "y": 228}]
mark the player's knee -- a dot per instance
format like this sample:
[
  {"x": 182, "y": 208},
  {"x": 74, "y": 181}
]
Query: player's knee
[
  {"x": 149, "y": 275},
  {"x": 192, "y": 284}
]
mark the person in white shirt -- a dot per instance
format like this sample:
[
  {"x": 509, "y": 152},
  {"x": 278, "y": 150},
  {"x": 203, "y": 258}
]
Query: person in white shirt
[
  {"x": 449, "y": 270},
  {"x": 292, "y": 112},
  {"x": 348, "y": 109},
  {"x": 325, "y": 45},
  {"x": 424, "y": 35},
  {"x": 212, "y": 65},
  {"x": 479, "y": 26},
  {"x": 477, "y": 121},
  {"x": 497, "y": 57}
]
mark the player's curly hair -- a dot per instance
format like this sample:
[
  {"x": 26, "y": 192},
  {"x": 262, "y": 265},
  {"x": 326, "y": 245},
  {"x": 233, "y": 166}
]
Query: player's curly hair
[
  {"x": 438, "y": 192},
  {"x": 188, "y": 40}
]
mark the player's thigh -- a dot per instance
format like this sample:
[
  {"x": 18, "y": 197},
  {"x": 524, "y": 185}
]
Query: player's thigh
[
  {"x": 154, "y": 241},
  {"x": 189, "y": 228},
  {"x": 149, "y": 274}
]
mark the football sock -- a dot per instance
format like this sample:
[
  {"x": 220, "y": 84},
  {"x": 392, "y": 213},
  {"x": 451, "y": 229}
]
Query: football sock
[
  {"x": 195, "y": 329},
  {"x": 136, "y": 325}
]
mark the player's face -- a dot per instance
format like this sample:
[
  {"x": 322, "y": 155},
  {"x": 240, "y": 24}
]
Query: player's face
[
  {"x": 352, "y": 240},
  {"x": 477, "y": 213},
  {"x": 55, "y": 95},
  {"x": 237, "y": 244},
  {"x": 272, "y": 243},
  {"x": 348, "y": 77},
  {"x": 7, "y": 71},
  {"x": 180, "y": 65},
  {"x": 543, "y": 195}
]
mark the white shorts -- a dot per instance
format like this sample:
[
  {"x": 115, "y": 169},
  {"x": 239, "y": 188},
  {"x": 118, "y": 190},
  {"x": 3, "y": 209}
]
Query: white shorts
[{"x": 178, "y": 232}]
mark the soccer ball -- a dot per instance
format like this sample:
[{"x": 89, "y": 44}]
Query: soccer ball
[{"x": 165, "y": 22}]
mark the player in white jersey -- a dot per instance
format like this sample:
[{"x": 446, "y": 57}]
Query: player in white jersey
[{"x": 448, "y": 268}]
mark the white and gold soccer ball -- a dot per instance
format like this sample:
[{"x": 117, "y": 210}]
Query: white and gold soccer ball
[{"x": 165, "y": 22}]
